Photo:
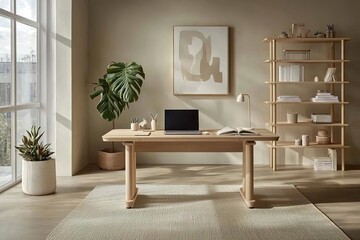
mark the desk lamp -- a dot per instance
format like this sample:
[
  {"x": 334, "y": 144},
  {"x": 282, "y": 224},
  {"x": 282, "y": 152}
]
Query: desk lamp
[{"x": 241, "y": 98}]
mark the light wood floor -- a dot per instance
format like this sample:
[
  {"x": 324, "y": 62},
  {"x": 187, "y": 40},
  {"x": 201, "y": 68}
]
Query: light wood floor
[{"x": 337, "y": 194}]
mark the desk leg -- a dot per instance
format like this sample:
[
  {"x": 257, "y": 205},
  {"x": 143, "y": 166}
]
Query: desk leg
[
  {"x": 247, "y": 190},
  {"x": 130, "y": 175}
]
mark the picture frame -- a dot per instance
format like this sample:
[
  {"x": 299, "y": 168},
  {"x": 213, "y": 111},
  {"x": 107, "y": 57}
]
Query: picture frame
[
  {"x": 330, "y": 74},
  {"x": 201, "y": 60}
]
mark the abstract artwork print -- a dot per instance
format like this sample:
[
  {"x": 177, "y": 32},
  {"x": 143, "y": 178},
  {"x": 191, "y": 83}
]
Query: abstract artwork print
[{"x": 201, "y": 60}]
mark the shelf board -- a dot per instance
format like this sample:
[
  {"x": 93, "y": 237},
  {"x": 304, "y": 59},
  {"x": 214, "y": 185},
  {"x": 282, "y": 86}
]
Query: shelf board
[
  {"x": 290, "y": 144},
  {"x": 306, "y": 40},
  {"x": 308, "y": 82},
  {"x": 307, "y": 61},
  {"x": 307, "y": 102},
  {"x": 308, "y": 124}
]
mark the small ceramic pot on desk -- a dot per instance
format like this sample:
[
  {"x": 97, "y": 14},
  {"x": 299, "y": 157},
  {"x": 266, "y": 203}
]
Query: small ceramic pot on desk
[{"x": 134, "y": 126}]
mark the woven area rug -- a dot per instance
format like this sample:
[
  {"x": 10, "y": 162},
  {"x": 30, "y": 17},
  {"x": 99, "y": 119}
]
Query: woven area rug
[{"x": 196, "y": 212}]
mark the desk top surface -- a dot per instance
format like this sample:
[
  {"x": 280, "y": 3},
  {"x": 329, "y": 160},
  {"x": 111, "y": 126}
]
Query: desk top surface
[{"x": 124, "y": 135}]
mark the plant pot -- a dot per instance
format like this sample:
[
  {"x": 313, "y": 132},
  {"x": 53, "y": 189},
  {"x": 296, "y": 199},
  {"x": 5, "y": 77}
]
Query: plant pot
[
  {"x": 38, "y": 177},
  {"x": 134, "y": 126},
  {"x": 108, "y": 160}
]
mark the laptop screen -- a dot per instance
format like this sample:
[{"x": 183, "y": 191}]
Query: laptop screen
[{"x": 181, "y": 119}]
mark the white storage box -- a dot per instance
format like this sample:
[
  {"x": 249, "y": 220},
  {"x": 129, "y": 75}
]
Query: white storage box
[{"x": 321, "y": 118}]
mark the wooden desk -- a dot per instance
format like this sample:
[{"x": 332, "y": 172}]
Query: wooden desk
[{"x": 159, "y": 142}]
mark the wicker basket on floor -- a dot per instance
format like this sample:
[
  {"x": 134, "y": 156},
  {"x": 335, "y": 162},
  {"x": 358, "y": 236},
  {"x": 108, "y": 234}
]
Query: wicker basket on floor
[{"x": 108, "y": 160}]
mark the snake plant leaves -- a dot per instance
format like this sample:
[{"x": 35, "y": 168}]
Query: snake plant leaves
[
  {"x": 126, "y": 80},
  {"x": 110, "y": 104}
]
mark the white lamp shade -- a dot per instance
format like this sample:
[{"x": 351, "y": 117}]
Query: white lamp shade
[{"x": 240, "y": 98}]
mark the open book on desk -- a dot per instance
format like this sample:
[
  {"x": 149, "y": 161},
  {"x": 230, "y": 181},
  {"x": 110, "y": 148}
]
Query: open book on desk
[{"x": 235, "y": 131}]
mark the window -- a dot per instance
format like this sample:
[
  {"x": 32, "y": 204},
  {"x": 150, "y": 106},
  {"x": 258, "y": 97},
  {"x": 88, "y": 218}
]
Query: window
[{"x": 19, "y": 81}]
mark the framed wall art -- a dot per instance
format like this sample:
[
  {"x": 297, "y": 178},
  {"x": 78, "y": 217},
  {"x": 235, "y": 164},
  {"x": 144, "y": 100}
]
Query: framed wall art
[{"x": 201, "y": 60}]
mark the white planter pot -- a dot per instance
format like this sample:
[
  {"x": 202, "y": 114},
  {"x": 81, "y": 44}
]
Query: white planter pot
[{"x": 38, "y": 177}]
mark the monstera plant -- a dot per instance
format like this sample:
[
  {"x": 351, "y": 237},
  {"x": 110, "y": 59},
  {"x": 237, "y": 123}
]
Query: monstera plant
[{"x": 117, "y": 88}]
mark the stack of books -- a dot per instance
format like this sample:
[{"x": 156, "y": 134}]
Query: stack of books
[
  {"x": 288, "y": 98},
  {"x": 291, "y": 73},
  {"x": 324, "y": 164},
  {"x": 324, "y": 97}
]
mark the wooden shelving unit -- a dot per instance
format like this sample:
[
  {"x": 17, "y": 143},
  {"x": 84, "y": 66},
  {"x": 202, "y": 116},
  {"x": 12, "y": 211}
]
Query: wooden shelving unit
[{"x": 333, "y": 59}]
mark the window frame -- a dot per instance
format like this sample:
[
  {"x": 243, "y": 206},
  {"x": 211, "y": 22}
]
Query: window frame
[{"x": 40, "y": 25}]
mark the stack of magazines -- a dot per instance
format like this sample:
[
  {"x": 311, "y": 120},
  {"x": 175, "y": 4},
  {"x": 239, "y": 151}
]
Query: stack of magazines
[
  {"x": 324, "y": 97},
  {"x": 288, "y": 98}
]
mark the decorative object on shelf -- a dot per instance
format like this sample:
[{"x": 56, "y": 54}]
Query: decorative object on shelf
[
  {"x": 143, "y": 124},
  {"x": 305, "y": 140},
  {"x": 316, "y": 79},
  {"x": 201, "y": 60},
  {"x": 319, "y": 34},
  {"x": 330, "y": 74},
  {"x": 134, "y": 126},
  {"x": 322, "y": 133},
  {"x": 321, "y": 118},
  {"x": 297, "y": 142},
  {"x": 296, "y": 54},
  {"x": 283, "y": 35},
  {"x": 292, "y": 117},
  {"x": 38, "y": 168},
  {"x": 117, "y": 88},
  {"x": 241, "y": 98},
  {"x": 298, "y": 30},
  {"x": 330, "y": 32},
  {"x": 154, "y": 121},
  {"x": 322, "y": 137}
]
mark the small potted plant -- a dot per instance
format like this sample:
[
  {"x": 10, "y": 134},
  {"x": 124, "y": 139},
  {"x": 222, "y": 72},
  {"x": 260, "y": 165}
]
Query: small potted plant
[
  {"x": 117, "y": 88},
  {"x": 134, "y": 124},
  {"x": 38, "y": 167}
]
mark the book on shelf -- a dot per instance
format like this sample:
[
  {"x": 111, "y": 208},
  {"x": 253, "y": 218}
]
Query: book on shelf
[
  {"x": 288, "y": 98},
  {"x": 324, "y": 97},
  {"x": 291, "y": 73},
  {"x": 236, "y": 131}
]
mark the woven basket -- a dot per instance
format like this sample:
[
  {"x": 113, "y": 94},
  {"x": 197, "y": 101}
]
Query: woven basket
[
  {"x": 323, "y": 140},
  {"x": 108, "y": 160}
]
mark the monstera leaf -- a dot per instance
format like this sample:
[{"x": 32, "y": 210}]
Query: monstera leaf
[
  {"x": 110, "y": 104},
  {"x": 117, "y": 88},
  {"x": 126, "y": 80}
]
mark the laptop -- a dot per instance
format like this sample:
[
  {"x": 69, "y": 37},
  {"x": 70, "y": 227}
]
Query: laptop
[{"x": 182, "y": 122}]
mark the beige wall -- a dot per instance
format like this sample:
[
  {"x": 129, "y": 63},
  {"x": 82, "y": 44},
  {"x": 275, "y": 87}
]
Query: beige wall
[
  {"x": 79, "y": 68},
  {"x": 71, "y": 86},
  {"x": 141, "y": 31},
  {"x": 63, "y": 88}
]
